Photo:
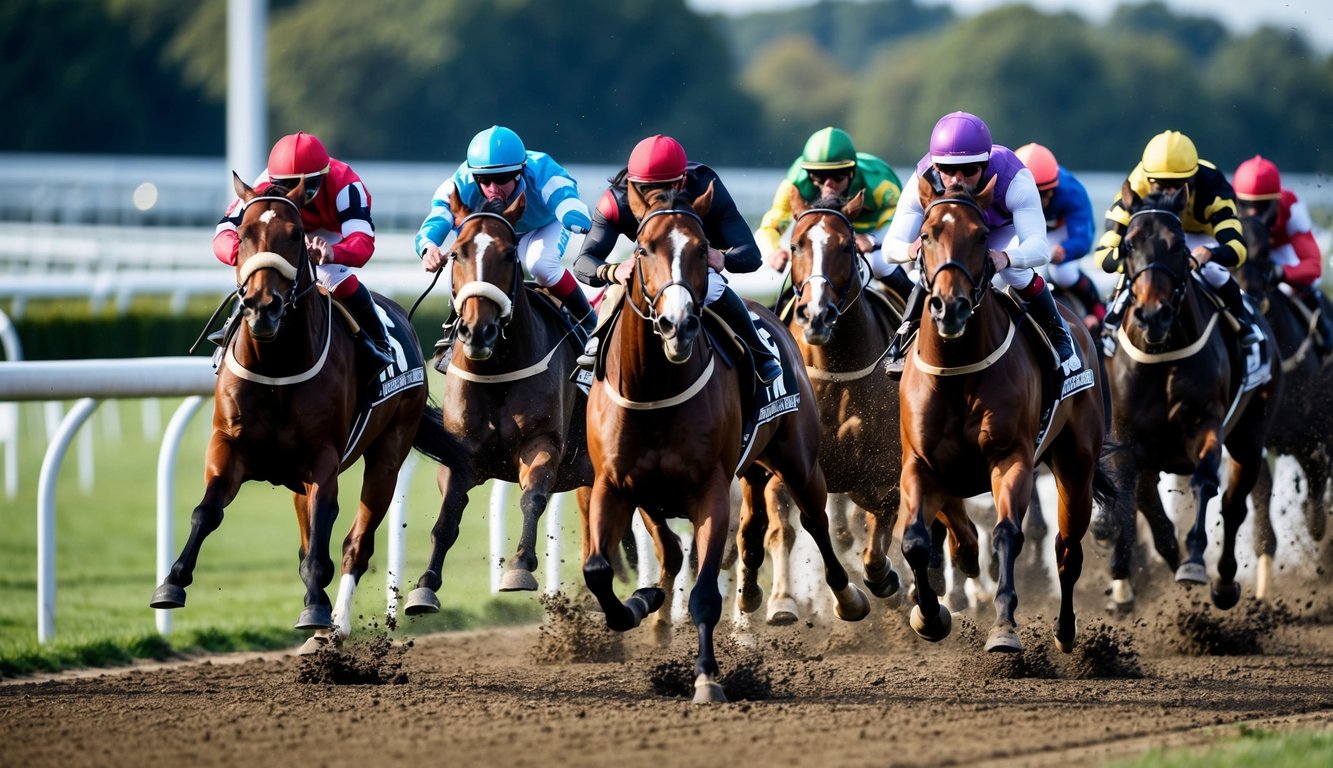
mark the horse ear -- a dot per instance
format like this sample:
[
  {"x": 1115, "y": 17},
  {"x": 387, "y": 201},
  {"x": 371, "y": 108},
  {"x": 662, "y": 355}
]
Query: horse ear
[
  {"x": 515, "y": 210},
  {"x": 986, "y": 194},
  {"x": 797, "y": 201},
  {"x": 456, "y": 206},
  {"x": 1129, "y": 199},
  {"x": 297, "y": 195},
  {"x": 637, "y": 205},
  {"x": 1269, "y": 217},
  {"x": 926, "y": 190},
  {"x": 244, "y": 191},
  {"x": 704, "y": 202},
  {"x": 1180, "y": 198},
  {"x": 853, "y": 207}
]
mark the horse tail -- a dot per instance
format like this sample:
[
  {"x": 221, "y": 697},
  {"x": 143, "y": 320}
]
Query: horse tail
[
  {"x": 1105, "y": 491},
  {"x": 437, "y": 443},
  {"x": 1106, "y": 391}
]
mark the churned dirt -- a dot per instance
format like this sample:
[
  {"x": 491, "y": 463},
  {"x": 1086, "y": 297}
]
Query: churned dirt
[{"x": 819, "y": 693}]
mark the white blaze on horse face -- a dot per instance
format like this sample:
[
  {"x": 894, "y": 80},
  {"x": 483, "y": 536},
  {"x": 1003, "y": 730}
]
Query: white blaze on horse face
[
  {"x": 819, "y": 237},
  {"x": 267, "y": 216},
  {"x": 676, "y": 304},
  {"x": 483, "y": 242}
]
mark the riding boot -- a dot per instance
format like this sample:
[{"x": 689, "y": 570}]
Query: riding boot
[
  {"x": 581, "y": 311},
  {"x": 896, "y": 356},
  {"x": 1115, "y": 311},
  {"x": 1043, "y": 310},
  {"x": 373, "y": 336},
  {"x": 733, "y": 310},
  {"x": 221, "y": 335},
  {"x": 1229, "y": 293},
  {"x": 1314, "y": 300},
  {"x": 897, "y": 282}
]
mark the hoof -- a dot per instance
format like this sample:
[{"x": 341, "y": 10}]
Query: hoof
[
  {"x": 661, "y": 632},
  {"x": 706, "y": 691},
  {"x": 651, "y": 597},
  {"x": 518, "y": 580},
  {"x": 853, "y": 605},
  {"x": 749, "y": 598},
  {"x": 1225, "y": 596},
  {"x": 315, "y": 617},
  {"x": 782, "y": 611},
  {"x": 314, "y": 644},
  {"x": 943, "y": 624},
  {"x": 421, "y": 601},
  {"x": 1066, "y": 646},
  {"x": 1003, "y": 639},
  {"x": 168, "y": 596},
  {"x": 887, "y": 586},
  {"x": 1191, "y": 573}
]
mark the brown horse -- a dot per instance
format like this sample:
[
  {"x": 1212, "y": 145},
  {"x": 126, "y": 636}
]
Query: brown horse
[
  {"x": 507, "y": 397},
  {"x": 972, "y": 404},
  {"x": 288, "y": 411},
  {"x": 1177, "y": 380},
  {"x": 1303, "y": 427},
  {"x": 664, "y": 432}
]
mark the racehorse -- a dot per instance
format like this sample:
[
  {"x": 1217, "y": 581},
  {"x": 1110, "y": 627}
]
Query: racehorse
[
  {"x": 665, "y": 432},
  {"x": 507, "y": 397},
  {"x": 1303, "y": 426},
  {"x": 972, "y": 401},
  {"x": 289, "y": 411},
  {"x": 1179, "y": 385}
]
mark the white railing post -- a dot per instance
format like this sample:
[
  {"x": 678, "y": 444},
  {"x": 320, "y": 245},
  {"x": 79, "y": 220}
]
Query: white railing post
[
  {"x": 46, "y": 516},
  {"x": 397, "y": 520},
  {"x": 166, "y": 496},
  {"x": 499, "y": 505},
  {"x": 553, "y": 542}
]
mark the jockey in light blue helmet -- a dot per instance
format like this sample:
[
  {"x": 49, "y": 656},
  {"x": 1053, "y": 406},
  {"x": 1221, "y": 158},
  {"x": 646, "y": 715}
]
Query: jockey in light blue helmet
[{"x": 496, "y": 150}]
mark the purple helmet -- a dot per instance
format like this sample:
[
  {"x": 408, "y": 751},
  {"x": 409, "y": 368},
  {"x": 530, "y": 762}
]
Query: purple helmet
[{"x": 960, "y": 137}]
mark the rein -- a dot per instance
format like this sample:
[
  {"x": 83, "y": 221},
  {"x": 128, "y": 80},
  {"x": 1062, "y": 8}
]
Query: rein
[
  {"x": 1179, "y": 282},
  {"x": 862, "y": 265}
]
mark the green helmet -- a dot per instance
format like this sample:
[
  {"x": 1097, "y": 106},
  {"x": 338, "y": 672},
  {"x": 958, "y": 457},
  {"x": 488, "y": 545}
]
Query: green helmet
[{"x": 829, "y": 149}]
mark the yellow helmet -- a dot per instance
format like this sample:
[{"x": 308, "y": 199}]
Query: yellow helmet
[{"x": 1170, "y": 155}]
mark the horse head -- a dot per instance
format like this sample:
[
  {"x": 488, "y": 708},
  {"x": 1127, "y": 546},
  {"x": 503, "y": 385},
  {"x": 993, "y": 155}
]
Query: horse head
[
  {"x": 485, "y": 268},
  {"x": 1256, "y": 274},
  {"x": 671, "y": 265},
  {"x": 1156, "y": 258},
  {"x": 824, "y": 266},
  {"x": 271, "y": 256},
  {"x": 955, "y": 260}
]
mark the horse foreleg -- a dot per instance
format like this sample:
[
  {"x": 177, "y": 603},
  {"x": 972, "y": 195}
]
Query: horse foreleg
[
  {"x": 1225, "y": 590},
  {"x": 711, "y": 521},
  {"x": 536, "y": 476},
  {"x": 880, "y": 577},
  {"x": 811, "y": 498},
  {"x": 929, "y": 618},
  {"x": 321, "y": 506},
  {"x": 1204, "y": 482},
  {"x": 454, "y": 485},
  {"x": 1318, "y": 489},
  {"x": 750, "y": 535},
  {"x": 1163, "y": 530},
  {"x": 1011, "y": 486},
  {"x": 1073, "y": 485},
  {"x": 224, "y": 474},
  {"x": 778, "y": 542},
  {"x": 1265, "y": 540},
  {"x": 608, "y": 518}
]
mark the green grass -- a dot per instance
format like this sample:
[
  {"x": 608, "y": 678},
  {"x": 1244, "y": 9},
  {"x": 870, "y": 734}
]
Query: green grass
[
  {"x": 247, "y": 591},
  {"x": 1248, "y": 747}
]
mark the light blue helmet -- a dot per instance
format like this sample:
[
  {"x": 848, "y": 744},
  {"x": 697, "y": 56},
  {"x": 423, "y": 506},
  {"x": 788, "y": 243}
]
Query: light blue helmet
[{"x": 496, "y": 150}]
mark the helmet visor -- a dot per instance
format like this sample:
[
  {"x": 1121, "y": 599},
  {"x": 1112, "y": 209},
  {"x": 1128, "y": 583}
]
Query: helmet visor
[{"x": 312, "y": 184}]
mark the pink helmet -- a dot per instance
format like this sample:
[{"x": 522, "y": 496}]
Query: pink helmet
[
  {"x": 1257, "y": 179},
  {"x": 656, "y": 159},
  {"x": 297, "y": 155},
  {"x": 1041, "y": 162},
  {"x": 958, "y": 138}
]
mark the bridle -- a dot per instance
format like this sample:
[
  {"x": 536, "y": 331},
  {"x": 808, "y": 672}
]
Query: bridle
[
  {"x": 979, "y": 284},
  {"x": 840, "y": 307},
  {"x": 483, "y": 289},
  {"x": 1178, "y": 281},
  {"x": 651, "y": 314},
  {"x": 270, "y": 260}
]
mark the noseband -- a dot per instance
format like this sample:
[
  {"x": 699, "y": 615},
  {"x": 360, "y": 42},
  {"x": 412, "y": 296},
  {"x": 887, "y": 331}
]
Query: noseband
[
  {"x": 651, "y": 314},
  {"x": 841, "y": 306},
  {"x": 980, "y": 284},
  {"x": 481, "y": 288},
  {"x": 275, "y": 261}
]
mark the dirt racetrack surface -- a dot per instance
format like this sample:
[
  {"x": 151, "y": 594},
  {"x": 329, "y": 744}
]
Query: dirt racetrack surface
[{"x": 818, "y": 693}]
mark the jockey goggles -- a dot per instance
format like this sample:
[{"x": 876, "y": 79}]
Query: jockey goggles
[
  {"x": 963, "y": 169},
  {"x": 312, "y": 184},
  {"x": 822, "y": 177},
  {"x": 496, "y": 178}
]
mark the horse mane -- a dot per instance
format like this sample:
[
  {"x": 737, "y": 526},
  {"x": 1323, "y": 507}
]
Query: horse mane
[
  {"x": 669, "y": 199},
  {"x": 834, "y": 202},
  {"x": 494, "y": 205}
]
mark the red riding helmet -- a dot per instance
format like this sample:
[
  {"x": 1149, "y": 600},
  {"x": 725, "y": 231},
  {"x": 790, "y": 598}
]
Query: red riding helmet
[
  {"x": 1257, "y": 179},
  {"x": 657, "y": 159},
  {"x": 1041, "y": 162}
]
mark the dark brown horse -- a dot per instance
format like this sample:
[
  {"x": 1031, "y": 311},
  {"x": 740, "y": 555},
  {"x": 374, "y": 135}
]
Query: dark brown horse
[
  {"x": 507, "y": 397},
  {"x": 664, "y": 432},
  {"x": 287, "y": 412},
  {"x": 1177, "y": 379},
  {"x": 972, "y": 404},
  {"x": 1303, "y": 427}
]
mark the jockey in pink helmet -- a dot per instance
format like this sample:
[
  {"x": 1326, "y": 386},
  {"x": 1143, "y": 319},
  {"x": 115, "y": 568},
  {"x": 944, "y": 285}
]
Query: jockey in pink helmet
[
  {"x": 339, "y": 232},
  {"x": 961, "y": 153}
]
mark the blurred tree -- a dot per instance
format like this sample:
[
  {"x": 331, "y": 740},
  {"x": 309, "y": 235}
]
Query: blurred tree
[
  {"x": 800, "y": 89},
  {"x": 1199, "y": 35}
]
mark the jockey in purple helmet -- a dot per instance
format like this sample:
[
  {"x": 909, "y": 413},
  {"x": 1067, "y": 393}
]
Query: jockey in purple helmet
[{"x": 961, "y": 152}]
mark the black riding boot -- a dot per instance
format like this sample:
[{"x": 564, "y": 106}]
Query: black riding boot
[
  {"x": 1229, "y": 293},
  {"x": 898, "y": 282},
  {"x": 894, "y": 358},
  {"x": 221, "y": 335},
  {"x": 1043, "y": 310},
  {"x": 732, "y": 309},
  {"x": 1314, "y": 300},
  {"x": 373, "y": 336},
  {"x": 580, "y": 309}
]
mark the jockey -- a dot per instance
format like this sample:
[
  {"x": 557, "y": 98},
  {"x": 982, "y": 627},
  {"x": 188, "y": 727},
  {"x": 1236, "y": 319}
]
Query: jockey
[
  {"x": 499, "y": 167},
  {"x": 1212, "y": 228},
  {"x": 961, "y": 152},
  {"x": 1068, "y": 212},
  {"x": 338, "y": 229},
  {"x": 830, "y": 166},
  {"x": 656, "y": 162},
  {"x": 1296, "y": 255}
]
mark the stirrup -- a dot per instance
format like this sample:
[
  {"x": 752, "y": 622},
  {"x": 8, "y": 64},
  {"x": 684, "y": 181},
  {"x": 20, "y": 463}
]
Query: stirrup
[
  {"x": 218, "y": 337},
  {"x": 589, "y": 357},
  {"x": 767, "y": 368}
]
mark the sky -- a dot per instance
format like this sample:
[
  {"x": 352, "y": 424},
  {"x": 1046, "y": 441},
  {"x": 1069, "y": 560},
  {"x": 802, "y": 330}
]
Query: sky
[{"x": 1314, "y": 18}]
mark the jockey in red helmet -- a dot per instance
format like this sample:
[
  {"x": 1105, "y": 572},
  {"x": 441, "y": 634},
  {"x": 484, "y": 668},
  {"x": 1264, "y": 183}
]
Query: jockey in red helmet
[
  {"x": 338, "y": 228},
  {"x": 660, "y": 161}
]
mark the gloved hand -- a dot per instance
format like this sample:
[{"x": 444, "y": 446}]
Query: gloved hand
[
  {"x": 1108, "y": 259},
  {"x": 576, "y": 221}
]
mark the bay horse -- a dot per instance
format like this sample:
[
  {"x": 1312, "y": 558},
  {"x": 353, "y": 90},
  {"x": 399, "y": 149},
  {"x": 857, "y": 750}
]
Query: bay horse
[
  {"x": 1303, "y": 426},
  {"x": 1177, "y": 381},
  {"x": 972, "y": 403},
  {"x": 665, "y": 432},
  {"x": 843, "y": 330},
  {"x": 507, "y": 397},
  {"x": 289, "y": 410}
]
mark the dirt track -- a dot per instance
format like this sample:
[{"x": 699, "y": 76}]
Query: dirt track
[{"x": 864, "y": 694}]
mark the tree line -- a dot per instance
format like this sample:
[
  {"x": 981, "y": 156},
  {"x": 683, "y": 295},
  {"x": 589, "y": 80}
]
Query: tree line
[{"x": 585, "y": 79}]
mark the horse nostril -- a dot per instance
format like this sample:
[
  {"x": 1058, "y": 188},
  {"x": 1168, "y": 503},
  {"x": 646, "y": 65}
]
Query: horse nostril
[
  {"x": 490, "y": 333},
  {"x": 464, "y": 332},
  {"x": 690, "y": 325},
  {"x": 664, "y": 327},
  {"x": 803, "y": 312},
  {"x": 936, "y": 305}
]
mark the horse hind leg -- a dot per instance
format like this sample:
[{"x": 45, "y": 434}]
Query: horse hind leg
[
  {"x": 778, "y": 542},
  {"x": 1225, "y": 589},
  {"x": 1265, "y": 540},
  {"x": 880, "y": 577},
  {"x": 1205, "y": 483},
  {"x": 811, "y": 498}
]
